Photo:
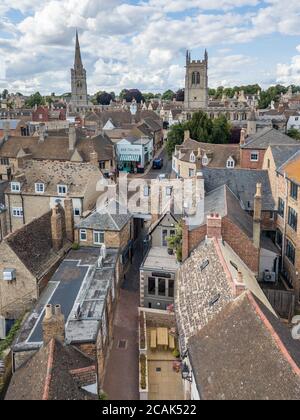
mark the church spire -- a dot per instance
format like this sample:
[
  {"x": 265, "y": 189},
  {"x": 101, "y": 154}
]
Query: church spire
[{"x": 78, "y": 62}]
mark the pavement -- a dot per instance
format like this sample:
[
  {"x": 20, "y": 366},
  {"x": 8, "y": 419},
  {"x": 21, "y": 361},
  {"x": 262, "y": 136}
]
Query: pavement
[{"x": 121, "y": 381}]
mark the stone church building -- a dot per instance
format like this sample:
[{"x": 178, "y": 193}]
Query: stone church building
[
  {"x": 79, "y": 100},
  {"x": 196, "y": 83},
  {"x": 236, "y": 109}
]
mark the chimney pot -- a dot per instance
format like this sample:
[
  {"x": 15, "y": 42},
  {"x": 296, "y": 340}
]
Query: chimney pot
[
  {"x": 48, "y": 312},
  {"x": 57, "y": 310}
]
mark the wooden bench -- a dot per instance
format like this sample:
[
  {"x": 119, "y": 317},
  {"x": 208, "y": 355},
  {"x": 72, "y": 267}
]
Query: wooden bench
[
  {"x": 163, "y": 337},
  {"x": 153, "y": 341},
  {"x": 171, "y": 342}
]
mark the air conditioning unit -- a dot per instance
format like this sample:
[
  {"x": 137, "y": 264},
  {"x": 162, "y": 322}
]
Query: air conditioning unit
[
  {"x": 9, "y": 274},
  {"x": 2, "y": 328},
  {"x": 269, "y": 276}
]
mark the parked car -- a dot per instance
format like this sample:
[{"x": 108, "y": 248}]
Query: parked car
[{"x": 158, "y": 164}]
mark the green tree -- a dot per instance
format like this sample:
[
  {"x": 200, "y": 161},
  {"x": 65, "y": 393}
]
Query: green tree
[
  {"x": 148, "y": 96},
  {"x": 175, "y": 241},
  {"x": 294, "y": 133},
  {"x": 200, "y": 127},
  {"x": 168, "y": 95},
  {"x": 221, "y": 131},
  {"x": 175, "y": 137},
  {"x": 4, "y": 94},
  {"x": 35, "y": 99}
]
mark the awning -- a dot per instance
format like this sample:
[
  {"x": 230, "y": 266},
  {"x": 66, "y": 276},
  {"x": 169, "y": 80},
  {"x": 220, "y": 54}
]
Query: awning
[{"x": 129, "y": 158}]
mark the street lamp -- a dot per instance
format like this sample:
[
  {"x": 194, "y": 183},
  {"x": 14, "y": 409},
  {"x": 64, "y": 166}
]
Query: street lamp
[{"x": 185, "y": 373}]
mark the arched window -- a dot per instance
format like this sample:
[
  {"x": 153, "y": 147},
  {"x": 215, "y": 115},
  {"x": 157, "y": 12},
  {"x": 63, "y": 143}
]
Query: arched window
[
  {"x": 193, "y": 78},
  {"x": 198, "y": 79}
]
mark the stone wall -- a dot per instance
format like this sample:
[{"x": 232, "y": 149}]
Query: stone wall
[{"x": 17, "y": 294}]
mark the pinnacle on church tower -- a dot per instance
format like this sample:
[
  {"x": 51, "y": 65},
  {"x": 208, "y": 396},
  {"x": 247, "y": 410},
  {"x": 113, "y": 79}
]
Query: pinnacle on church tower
[
  {"x": 78, "y": 62},
  {"x": 78, "y": 80}
]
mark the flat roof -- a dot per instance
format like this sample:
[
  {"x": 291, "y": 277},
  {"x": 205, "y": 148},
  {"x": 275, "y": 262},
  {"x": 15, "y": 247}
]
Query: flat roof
[
  {"x": 159, "y": 259},
  {"x": 77, "y": 281}
]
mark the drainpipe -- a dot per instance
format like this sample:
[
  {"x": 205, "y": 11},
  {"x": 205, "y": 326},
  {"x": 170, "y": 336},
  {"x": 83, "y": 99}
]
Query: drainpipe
[
  {"x": 22, "y": 199},
  {"x": 284, "y": 221},
  {"x": 9, "y": 211}
]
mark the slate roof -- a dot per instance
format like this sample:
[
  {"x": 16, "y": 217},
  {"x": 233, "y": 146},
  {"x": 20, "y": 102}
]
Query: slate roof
[
  {"x": 13, "y": 124},
  {"x": 113, "y": 217},
  {"x": 33, "y": 244},
  {"x": 283, "y": 153},
  {"x": 30, "y": 382},
  {"x": 235, "y": 357},
  {"x": 292, "y": 168},
  {"x": 267, "y": 137},
  {"x": 242, "y": 182},
  {"x": 225, "y": 203}
]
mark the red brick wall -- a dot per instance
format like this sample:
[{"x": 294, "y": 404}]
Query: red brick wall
[
  {"x": 40, "y": 111},
  {"x": 241, "y": 244},
  {"x": 191, "y": 239},
  {"x": 246, "y": 162},
  {"x": 237, "y": 239},
  {"x": 84, "y": 376}
]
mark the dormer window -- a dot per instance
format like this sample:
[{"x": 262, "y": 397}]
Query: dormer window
[
  {"x": 15, "y": 187},
  {"x": 230, "y": 163},
  {"x": 39, "y": 188},
  {"x": 62, "y": 189},
  {"x": 205, "y": 160},
  {"x": 192, "y": 158}
]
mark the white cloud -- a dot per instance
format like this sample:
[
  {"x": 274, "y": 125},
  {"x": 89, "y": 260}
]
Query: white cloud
[
  {"x": 289, "y": 73},
  {"x": 136, "y": 45}
]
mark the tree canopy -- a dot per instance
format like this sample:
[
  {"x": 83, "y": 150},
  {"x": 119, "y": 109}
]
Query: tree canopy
[
  {"x": 294, "y": 133},
  {"x": 103, "y": 98},
  {"x": 35, "y": 99},
  {"x": 130, "y": 94},
  {"x": 202, "y": 129},
  {"x": 168, "y": 95}
]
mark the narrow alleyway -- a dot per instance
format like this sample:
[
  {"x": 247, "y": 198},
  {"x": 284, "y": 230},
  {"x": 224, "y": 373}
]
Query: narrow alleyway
[{"x": 121, "y": 380}]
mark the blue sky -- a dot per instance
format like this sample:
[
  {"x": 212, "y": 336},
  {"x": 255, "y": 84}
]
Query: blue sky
[{"x": 142, "y": 43}]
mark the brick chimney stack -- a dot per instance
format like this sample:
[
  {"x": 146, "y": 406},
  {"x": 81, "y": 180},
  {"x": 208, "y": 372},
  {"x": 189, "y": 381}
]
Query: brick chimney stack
[
  {"x": 243, "y": 137},
  {"x": 69, "y": 217},
  {"x": 72, "y": 137},
  {"x": 94, "y": 158},
  {"x": 57, "y": 228},
  {"x": 187, "y": 135},
  {"x": 42, "y": 130},
  {"x": 214, "y": 226},
  {"x": 6, "y": 130},
  {"x": 257, "y": 216},
  {"x": 53, "y": 324}
]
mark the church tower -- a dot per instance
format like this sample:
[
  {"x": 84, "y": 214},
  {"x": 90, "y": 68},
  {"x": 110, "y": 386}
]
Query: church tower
[
  {"x": 78, "y": 80},
  {"x": 196, "y": 83}
]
